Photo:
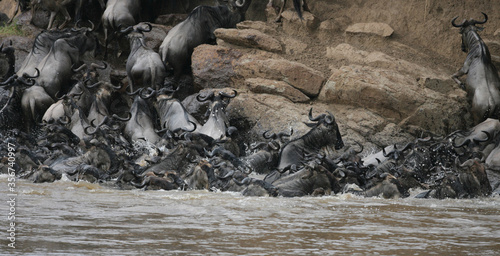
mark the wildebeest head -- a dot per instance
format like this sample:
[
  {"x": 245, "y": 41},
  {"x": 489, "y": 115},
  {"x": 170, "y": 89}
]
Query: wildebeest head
[
  {"x": 326, "y": 124},
  {"x": 466, "y": 26}
]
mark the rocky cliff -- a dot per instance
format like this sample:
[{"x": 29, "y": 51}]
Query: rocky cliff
[{"x": 381, "y": 67}]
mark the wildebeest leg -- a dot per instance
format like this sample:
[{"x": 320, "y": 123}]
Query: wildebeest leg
[
  {"x": 64, "y": 11},
  {"x": 281, "y": 11},
  {"x": 304, "y": 6},
  {"x": 455, "y": 77},
  {"x": 51, "y": 19}
]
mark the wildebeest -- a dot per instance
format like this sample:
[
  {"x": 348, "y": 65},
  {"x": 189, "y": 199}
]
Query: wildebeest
[
  {"x": 34, "y": 103},
  {"x": 144, "y": 66},
  {"x": 483, "y": 82},
  {"x": 119, "y": 14},
  {"x": 173, "y": 115},
  {"x": 325, "y": 132},
  {"x": 197, "y": 29},
  {"x": 298, "y": 5},
  {"x": 218, "y": 123},
  {"x": 41, "y": 46},
  {"x": 54, "y": 6},
  {"x": 141, "y": 125},
  {"x": 55, "y": 68}
]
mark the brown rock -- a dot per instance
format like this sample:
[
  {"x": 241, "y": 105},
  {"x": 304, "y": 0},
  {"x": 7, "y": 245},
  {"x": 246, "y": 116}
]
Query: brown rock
[
  {"x": 170, "y": 19},
  {"x": 257, "y": 25},
  {"x": 429, "y": 78},
  {"x": 155, "y": 37},
  {"x": 260, "y": 85},
  {"x": 8, "y": 7},
  {"x": 216, "y": 67},
  {"x": 254, "y": 113},
  {"x": 293, "y": 46},
  {"x": 249, "y": 38},
  {"x": 293, "y": 25},
  {"x": 213, "y": 66},
  {"x": 394, "y": 96},
  {"x": 373, "y": 28}
]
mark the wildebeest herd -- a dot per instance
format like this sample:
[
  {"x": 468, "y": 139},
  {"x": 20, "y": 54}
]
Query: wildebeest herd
[{"x": 66, "y": 117}]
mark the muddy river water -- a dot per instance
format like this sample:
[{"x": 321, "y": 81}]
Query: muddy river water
[{"x": 80, "y": 218}]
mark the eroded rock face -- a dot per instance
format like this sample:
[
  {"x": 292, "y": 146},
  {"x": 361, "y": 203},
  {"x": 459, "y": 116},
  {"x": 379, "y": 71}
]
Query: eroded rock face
[
  {"x": 371, "y": 28},
  {"x": 249, "y": 38},
  {"x": 395, "y": 96},
  {"x": 216, "y": 67}
]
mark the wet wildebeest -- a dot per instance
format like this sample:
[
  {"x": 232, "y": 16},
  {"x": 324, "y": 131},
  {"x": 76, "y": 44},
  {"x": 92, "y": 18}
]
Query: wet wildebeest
[
  {"x": 197, "y": 29},
  {"x": 324, "y": 132},
  {"x": 483, "y": 82},
  {"x": 119, "y": 14},
  {"x": 144, "y": 66}
]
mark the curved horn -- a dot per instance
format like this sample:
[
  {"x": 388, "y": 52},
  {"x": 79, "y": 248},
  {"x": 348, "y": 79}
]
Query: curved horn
[
  {"x": 93, "y": 85},
  {"x": 64, "y": 120},
  {"x": 272, "y": 136},
  {"x": 484, "y": 21},
  {"x": 203, "y": 99},
  {"x": 85, "y": 130},
  {"x": 463, "y": 144},
  {"x": 127, "y": 30},
  {"x": 116, "y": 117},
  {"x": 9, "y": 80},
  {"x": 238, "y": 4},
  {"x": 150, "y": 27},
  {"x": 95, "y": 66},
  {"x": 488, "y": 137},
  {"x": 274, "y": 145},
  {"x": 315, "y": 119},
  {"x": 184, "y": 129},
  {"x": 37, "y": 72},
  {"x": 455, "y": 25},
  {"x": 148, "y": 96},
  {"x": 135, "y": 93},
  {"x": 229, "y": 174},
  {"x": 258, "y": 145},
  {"x": 223, "y": 94},
  {"x": 79, "y": 68},
  {"x": 245, "y": 181},
  {"x": 92, "y": 26}
]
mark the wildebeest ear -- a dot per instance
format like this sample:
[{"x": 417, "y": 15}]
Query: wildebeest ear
[{"x": 480, "y": 28}]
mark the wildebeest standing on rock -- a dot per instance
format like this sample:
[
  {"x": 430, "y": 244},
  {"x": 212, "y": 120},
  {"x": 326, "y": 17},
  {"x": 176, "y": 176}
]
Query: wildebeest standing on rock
[
  {"x": 119, "y": 14},
  {"x": 198, "y": 29},
  {"x": 144, "y": 66},
  {"x": 483, "y": 82}
]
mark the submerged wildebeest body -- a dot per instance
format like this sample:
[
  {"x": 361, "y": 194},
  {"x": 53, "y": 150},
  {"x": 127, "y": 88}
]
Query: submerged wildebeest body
[
  {"x": 198, "y": 29},
  {"x": 483, "y": 82}
]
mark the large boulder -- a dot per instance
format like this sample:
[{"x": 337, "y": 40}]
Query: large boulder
[
  {"x": 371, "y": 28},
  {"x": 250, "y": 38},
  {"x": 397, "y": 97},
  {"x": 216, "y": 67},
  {"x": 254, "y": 113}
]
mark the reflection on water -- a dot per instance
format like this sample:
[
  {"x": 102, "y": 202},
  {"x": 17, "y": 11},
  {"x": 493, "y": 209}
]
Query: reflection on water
[{"x": 82, "y": 218}]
